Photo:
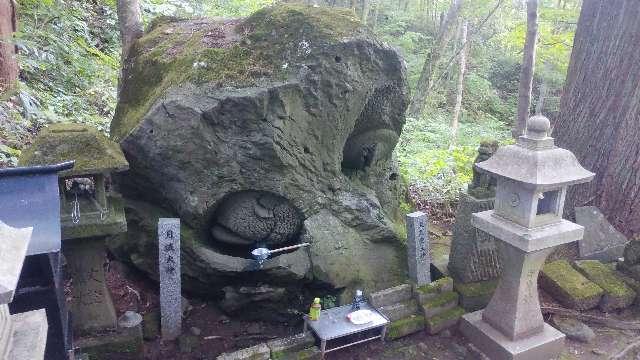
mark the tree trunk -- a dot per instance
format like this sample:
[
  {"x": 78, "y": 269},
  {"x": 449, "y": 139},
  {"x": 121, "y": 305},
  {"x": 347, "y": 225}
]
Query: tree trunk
[
  {"x": 526, "y": 73},
  {"x": 8, "y": 61},
  {"x": 131, "y": 29},
  {"x": 376, "y": 13},
  {"x": 365, "y": 11},
  {"x": 130, "y": 21},
  {"x": 600, "y": 110},
  {"x": 423, "y": 87},
  {"x": 460, "y": 87},
  {"x": 542, "y": 94}
]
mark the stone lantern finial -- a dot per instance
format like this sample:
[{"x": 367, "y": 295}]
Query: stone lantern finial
[{"x": 538, "y": 127}]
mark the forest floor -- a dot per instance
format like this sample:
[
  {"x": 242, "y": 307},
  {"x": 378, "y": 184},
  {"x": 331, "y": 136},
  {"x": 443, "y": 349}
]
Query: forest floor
[{"x": 219, "y": 333}]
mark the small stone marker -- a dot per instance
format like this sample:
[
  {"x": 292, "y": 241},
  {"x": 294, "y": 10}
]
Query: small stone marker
[
  {"x": 418, "y": 248},
  {"x": 170, "y": 285}
]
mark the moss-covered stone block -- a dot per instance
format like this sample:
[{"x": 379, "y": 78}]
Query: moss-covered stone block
[
  {"x": 445, "y": 320},
  {"x": 568, "y": 286},
  {"x": 187, "y": 343},
  {"x": 285, "y": 347},
  {"x": 125, "y": 344},
  {"x": 429, "y": 291},
  {"x": 618, "y": 294},
  {"x": 400, "y": 310},
  {"x": 632, "y": 283},
  {"x": 440, "y": 304},
  {"x": 630, "y": 269},
  {"x": 476, "y": 295},
  {"x": 257, "y": 352},
  {"x": 404, "y": 327},
  {"x": 310, "y": 353},
  {"x": 390, "y": 296}
]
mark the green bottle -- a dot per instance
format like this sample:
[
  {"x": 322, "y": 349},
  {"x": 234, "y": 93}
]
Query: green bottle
[{"x": 314, "y": 311}]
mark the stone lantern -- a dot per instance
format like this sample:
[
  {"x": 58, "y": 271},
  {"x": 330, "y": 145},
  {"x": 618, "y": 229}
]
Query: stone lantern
[
  {"x": 532, "y": 180},
  {"x": 89, "y": 211}
]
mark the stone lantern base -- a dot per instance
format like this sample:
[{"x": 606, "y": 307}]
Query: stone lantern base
[{"x": 547, "y": 344}]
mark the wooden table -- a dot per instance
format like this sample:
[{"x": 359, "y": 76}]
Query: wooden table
[{"x": 333, "y": 324}]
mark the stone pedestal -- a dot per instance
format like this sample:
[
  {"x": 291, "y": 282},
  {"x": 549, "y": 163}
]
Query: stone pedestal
[
  {"x": 474, "y": 262},
  {"x": 92, "y": 307},
  {"x": 546, "y": 344},
  {"x": 474, "y": 253},
  {"x": 514, "y": 309}
]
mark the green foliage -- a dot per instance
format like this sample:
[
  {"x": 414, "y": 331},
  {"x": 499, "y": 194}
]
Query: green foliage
[
  {"x": 435, "y": 169},
  {"x": 329, "y": 301},
  {"x": 199, "y": 8},
  {"x": 69, "y": 60}
]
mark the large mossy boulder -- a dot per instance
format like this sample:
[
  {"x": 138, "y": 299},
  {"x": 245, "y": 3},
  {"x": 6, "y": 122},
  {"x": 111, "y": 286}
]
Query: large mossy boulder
[{"x": 269, "y": 131}]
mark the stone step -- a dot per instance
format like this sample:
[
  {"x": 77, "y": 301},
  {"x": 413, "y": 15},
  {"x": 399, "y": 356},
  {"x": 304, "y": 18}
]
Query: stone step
[
  {"x": 29, "y": 336},
  {"x": 429, "y": 291},
  {"x": 257, "y": 352},
  {"x": 391, "y": 296},
  {"x": 566, "y": 285},
  {"x": 404, "y": 327},
  {"x": 310, "y": 353},
  {"x": 285, "y": 347},
  {"x": 617, "y": 294},
  {"x": 400, "y": 310},
  {"x": 446, "y": 320},
  {"x": 440, "y": 304}
]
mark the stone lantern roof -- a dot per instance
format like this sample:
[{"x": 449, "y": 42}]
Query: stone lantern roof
[
  {"x": 92, "y": 151},
  {"x": 535, "y": 160}
]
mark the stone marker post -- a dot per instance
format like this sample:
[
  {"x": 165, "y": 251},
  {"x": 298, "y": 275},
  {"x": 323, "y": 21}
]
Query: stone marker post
[
  {"x": 170, "y": 284},
  {"x": 418, "y": 255}
]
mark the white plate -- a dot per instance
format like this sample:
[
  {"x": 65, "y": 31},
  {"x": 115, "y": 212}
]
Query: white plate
[{"x": 360, "y": 317}]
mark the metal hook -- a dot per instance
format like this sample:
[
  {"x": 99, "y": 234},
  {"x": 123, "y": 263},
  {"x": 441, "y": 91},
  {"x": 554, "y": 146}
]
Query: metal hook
[{"x": 75, "y": 212}]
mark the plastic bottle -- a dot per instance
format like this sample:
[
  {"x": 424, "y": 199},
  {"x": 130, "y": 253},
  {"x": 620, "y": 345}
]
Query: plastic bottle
[{"x": 314, "y": 311}]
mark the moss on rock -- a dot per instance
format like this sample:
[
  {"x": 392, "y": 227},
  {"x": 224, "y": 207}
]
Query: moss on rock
[
  {"x": 406, "y": 326},
  {"x": 426, "y": 292},
  {"x": 444, "y": 321},
  {"x": 441, "y": 300},
  {"x": 440, "y": 304},
  {"x": 568, "y": 286},
  {"x": 93, "y": 152},
  {"x": 617, "y": 294},
  {"x": 238, "y": 53},
  {"x": 475, "y": 295}
]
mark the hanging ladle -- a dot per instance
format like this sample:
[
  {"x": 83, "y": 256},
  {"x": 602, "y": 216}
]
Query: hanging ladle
[{"x": 261, "y": 254}]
